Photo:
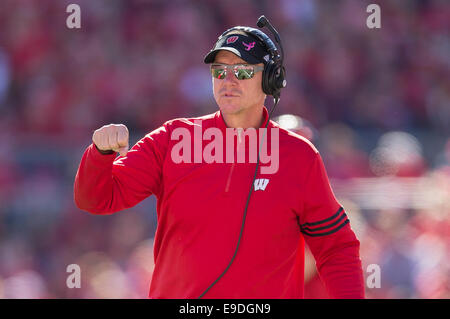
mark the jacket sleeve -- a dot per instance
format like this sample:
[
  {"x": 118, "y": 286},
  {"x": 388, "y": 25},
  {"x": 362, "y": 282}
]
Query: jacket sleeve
[
  {"x": 105, "y": 184},
  {"x": 326, "y": 229}
]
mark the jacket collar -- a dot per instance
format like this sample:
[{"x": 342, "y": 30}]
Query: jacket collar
[{"x": 220, "y": 122}]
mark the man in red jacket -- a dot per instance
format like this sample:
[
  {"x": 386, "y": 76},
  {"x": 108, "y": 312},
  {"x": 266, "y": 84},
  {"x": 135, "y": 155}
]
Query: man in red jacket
[{"x": 214, "y": 238}]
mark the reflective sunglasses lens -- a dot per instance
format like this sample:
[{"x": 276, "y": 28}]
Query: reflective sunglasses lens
[
  {"x": 244, "y": 73},
  {"x": 218, "y": 72},
  {"x": 241, "y": 72}
]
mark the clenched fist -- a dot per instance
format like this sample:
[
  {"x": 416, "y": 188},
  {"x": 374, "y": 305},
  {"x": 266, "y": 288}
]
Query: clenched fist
[{"x": 112, "y": 137}]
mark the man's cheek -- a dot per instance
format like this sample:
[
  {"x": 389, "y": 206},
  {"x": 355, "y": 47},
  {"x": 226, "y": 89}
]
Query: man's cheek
[{"x": 215, "y": 86}]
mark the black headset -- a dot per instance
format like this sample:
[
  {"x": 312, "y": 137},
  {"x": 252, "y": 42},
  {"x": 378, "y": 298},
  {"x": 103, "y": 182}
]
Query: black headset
[
  {"x": 274, "y": 73},
  {"x": 273, "y": 80}
]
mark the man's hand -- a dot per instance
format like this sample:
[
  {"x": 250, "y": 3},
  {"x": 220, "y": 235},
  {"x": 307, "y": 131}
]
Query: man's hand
[{"x": 112, "y": 137}]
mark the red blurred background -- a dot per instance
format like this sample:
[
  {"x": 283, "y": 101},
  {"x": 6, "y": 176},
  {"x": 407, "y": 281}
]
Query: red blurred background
[{"x": 375, "y": 102}]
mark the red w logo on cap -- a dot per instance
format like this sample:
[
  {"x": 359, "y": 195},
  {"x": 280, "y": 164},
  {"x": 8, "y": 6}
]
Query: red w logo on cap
[{"x": 232, "y": 39}]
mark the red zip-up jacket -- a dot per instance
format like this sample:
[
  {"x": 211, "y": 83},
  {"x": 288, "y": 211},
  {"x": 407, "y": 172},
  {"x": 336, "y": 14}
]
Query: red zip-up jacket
[{"x": 200, "y": 208}]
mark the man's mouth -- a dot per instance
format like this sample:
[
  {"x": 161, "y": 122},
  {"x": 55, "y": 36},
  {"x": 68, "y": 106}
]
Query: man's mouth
[{"x": 229, "y": 95}]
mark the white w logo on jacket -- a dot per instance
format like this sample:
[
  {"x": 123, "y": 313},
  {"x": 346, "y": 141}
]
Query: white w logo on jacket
[{"x": 261, "y": 183}]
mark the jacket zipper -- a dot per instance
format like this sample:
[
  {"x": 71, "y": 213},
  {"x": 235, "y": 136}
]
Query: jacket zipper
[{"x": 227, "y": 186}]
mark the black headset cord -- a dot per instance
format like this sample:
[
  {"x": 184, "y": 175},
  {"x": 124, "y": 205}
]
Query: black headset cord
[{"x": 276, "y": 99}]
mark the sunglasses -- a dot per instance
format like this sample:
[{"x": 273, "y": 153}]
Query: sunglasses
[{"x": 240, "y": 71}]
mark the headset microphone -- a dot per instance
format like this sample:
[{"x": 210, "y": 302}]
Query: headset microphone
[{"x": 263, "y": 22}]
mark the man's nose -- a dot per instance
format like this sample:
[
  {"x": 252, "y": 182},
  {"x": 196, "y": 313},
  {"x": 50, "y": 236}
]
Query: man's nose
[{"x": 230, "y": 77}]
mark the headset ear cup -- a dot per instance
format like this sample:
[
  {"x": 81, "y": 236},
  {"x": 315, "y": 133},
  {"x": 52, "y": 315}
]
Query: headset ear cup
[
  {"x": 281, "y": 78},
  {"x": 268, "y": 78},
  {"x": 264, "y": 79},
  {"x": 273, "y": 78}
]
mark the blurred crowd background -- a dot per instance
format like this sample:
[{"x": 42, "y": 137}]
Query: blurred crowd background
[{"x": 375, "y": 102}]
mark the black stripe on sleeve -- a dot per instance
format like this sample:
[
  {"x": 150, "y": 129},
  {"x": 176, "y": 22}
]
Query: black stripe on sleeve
[
  {"x": 324, "y": 220},
  {"x": 326, "y": 227},
  {"x": 327, "y": 233}
]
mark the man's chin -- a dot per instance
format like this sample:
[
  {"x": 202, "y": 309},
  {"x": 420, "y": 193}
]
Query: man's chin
[{"x": 230, "y": 108}]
